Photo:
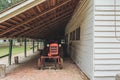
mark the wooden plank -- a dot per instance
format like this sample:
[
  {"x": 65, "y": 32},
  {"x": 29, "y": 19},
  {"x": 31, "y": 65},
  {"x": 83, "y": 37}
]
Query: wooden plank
[
  {"x": 52, "y": 29},
  {"x": 39, "y": 8},
  {"x": 50, "y": 23},
  {"x": 33, "y": 18},
  {"x": 53, "y": 2},
  {"x": 1, "y": 26},
  {"x": 32, "y": 30},
  {"x": 54, "y": 22},
  {"x": 17, "y": 18},
  {"x": 20, "y": 31},
  {"x": 47, "y": 22},
  {"x": 37, "y": 28}
]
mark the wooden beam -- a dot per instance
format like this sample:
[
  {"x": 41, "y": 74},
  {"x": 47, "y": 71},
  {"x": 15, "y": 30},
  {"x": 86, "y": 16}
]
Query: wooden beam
[
  {"x": 19, "y": 19},
  {"x": 51, "y": 29},
  {"x": 39, "y": 8},
  {"x": 17, "y": 32},
  {"x": 51, "y": 24},
  {"x": 13, "y": 21},
  {"x": 33, "y": 18},
  {"x": 64, "y": 11},
  {"x": 53, "y": 2},
  {"x": 23, "y": 31},
  {"x": 6, "y": 23},
  {"x": 1, "y": 26},
  {"x": 59, "y": 18},
  {"x": 47, "y": 22}
]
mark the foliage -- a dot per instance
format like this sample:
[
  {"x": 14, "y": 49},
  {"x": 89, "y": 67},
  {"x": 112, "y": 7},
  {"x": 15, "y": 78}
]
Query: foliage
[{"x": 7, "y": 3}]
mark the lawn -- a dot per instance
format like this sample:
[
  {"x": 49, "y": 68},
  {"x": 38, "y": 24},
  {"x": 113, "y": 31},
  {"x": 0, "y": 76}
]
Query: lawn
[{"x": 16, "y": 49}]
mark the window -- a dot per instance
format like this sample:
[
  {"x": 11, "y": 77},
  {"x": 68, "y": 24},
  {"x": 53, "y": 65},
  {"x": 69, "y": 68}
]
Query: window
[
  {"x": 73, "y": 35},
  {"x": 78, "y": 33},
  {"x": 66, "y": 38}
]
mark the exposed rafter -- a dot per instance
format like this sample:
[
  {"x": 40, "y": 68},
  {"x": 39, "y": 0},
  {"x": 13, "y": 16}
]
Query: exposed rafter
[
  {"x": 41, "y": 21},
  {"x": 44, "y": 25},
  {"x": 33, "y": 18}
]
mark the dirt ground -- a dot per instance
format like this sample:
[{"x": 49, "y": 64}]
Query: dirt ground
[{"x": 27, "y": 70}]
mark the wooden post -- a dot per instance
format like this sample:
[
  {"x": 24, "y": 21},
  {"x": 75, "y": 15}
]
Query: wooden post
[
  {"x": 25, "y": 47},
  {"x": 10, "y": 51},
  {"x": 37, "y": 44},
  {"x": 2, "y": 70},
  {"x": 33, "y": 46}
]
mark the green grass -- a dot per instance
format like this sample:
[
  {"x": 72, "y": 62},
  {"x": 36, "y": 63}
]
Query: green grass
[{"x": 16, "y": 50}]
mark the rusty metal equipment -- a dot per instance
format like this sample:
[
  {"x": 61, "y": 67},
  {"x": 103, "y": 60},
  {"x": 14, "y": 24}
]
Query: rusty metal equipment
[{"x": 53, "y": 52}]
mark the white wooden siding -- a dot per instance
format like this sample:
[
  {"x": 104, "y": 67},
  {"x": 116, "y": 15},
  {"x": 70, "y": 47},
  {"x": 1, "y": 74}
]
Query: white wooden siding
[
  {"x": 82, "y": 50},
  {"x": 106, "y": 46}
]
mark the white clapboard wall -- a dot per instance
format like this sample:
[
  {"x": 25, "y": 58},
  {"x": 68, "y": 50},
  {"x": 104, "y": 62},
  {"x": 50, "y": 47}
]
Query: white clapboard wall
[
  {"x": 106, "y": 46},
  {"x": 82, "y": 50}
]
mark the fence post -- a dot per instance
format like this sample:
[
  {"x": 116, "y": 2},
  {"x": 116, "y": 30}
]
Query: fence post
[
  {"x": 25, "y": 47},
  {"x": 37, "y": 44},
  {"x": 10, "y": 50},
  {"x": 33, "y": 46}
]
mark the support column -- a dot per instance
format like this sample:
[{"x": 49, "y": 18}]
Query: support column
[
  {"x": 37, "y": 44},
  {"x": 10, "y": 51},
  {"x": 33, "y": 46},
  {"x": 25, "y": 47}
]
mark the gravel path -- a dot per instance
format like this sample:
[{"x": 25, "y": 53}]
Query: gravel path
[{"x": 27, "y": 70}]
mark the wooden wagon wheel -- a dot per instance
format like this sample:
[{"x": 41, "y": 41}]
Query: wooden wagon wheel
[
  {"x": 39, "y": 63},
  {"x": 61, "y": 65}
]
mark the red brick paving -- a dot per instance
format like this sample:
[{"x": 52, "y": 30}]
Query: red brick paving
[{"x": 28, "y": 71}]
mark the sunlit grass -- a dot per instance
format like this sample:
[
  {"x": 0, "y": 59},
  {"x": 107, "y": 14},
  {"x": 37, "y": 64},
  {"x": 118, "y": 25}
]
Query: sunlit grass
[{"x": 16, "y": 49}]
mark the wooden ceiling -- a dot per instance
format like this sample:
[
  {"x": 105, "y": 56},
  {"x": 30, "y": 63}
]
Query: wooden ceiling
[{"x": 45, "y": 20}]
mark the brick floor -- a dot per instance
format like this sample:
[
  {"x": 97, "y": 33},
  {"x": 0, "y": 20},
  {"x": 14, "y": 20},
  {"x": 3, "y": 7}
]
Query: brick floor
[{"x": 27, "y": 70}]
